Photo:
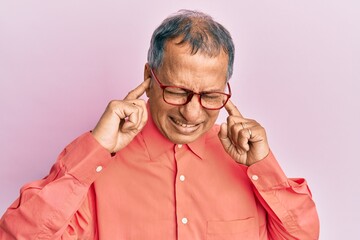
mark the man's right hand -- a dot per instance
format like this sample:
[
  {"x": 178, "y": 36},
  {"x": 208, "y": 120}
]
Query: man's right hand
[{"x": 122, "y": 120}]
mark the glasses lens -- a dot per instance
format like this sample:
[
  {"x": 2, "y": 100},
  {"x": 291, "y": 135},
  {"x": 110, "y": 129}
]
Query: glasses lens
[
  {"x": 175, "y": 95},
  {"x": 213, "y": 100}
]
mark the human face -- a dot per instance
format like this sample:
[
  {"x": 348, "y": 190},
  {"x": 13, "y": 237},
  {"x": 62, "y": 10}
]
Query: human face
[{"x": 199, "y": 73}]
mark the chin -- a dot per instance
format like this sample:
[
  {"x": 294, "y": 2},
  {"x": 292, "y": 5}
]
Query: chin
[{"x": 182, "y": 139}]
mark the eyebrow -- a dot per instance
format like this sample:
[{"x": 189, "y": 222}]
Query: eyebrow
[{"x": 187, "y": 88}]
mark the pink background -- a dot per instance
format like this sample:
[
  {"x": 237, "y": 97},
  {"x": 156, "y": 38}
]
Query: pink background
[{"x": 297, "y": 72}]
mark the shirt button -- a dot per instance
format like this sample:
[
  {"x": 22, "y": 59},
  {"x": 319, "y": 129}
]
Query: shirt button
[
  {"x": 182, "y": 178},
  {"x": 184, "y": 220},
  {"x": 179, "y": 145},
  {"x": 99, "y": 168},
  {"x": 254, "y": 177}
]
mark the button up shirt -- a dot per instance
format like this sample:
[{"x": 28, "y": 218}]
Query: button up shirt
[{"x": 154, "y": 189}]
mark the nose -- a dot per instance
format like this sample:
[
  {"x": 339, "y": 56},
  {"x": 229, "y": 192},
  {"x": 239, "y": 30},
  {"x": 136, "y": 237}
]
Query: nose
[{"x": 192, "y": 110}]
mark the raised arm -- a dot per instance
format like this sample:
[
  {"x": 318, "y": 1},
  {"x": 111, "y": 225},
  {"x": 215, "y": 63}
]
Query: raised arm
[
  {"x": 60, "y": 205},
  {"x": 290, "y": 209}
]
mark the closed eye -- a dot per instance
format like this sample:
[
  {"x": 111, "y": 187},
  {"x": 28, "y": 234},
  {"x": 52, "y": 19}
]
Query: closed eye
[
  {"x": 211, "y": 96},
  {"x": 176, "y": 91}
]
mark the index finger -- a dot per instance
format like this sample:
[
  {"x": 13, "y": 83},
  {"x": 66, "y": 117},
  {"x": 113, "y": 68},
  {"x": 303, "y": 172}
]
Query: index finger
[
  {"x": 232, "y": 109},
  {"x": 138, "y": 91}
]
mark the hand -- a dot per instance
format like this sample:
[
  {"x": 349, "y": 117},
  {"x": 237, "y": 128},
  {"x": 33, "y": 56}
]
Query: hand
[
  {"x": 122, "y": 120},
  {"x": 243, "y": 139}
]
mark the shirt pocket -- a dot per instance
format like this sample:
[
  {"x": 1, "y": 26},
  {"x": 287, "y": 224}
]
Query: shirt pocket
[{"x": 239, "y": 229}]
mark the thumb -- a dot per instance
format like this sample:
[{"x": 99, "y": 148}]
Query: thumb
[{"x": 223, "y": 136}]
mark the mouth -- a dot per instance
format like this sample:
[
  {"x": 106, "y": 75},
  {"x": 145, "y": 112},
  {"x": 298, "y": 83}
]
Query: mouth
[{"x": 183, "y": 127}]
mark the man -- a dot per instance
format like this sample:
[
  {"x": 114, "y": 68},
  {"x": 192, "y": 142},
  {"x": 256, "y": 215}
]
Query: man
[{"x": 163, "y": 169}]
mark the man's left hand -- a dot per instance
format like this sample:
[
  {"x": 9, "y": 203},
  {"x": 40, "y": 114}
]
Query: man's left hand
[{"x": 243, "y": 139}]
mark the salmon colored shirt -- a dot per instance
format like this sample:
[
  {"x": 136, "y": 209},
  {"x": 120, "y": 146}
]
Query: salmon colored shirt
[{"x": 156, "y": 190}]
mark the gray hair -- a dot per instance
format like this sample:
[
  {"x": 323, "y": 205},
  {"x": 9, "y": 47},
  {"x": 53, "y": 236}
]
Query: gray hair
[{"x": 198, "y": 30}]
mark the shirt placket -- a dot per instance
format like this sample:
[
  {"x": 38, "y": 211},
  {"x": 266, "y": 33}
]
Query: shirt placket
[{"x": 183, "y": 216}]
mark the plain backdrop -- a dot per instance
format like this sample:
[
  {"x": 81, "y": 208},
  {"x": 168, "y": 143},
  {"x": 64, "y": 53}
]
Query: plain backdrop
[{"x": 297, "y": 70}]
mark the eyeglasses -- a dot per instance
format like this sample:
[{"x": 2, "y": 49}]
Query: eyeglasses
[{"x": 179, "y": 96}]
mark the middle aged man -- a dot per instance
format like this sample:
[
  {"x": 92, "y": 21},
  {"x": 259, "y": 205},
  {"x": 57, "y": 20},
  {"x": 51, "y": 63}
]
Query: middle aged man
[{"x": 174, "y": 174}]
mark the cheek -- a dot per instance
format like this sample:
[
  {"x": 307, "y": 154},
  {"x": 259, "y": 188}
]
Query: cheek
[
  {"x": 152, "y": 92},
  {"x": 212, "y": 116},
  {"x": 159, "y": 108},
  {"x": 155, "y": 99}
]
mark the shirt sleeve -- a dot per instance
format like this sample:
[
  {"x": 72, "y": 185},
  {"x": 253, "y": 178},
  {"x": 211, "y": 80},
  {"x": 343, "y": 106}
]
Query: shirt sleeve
[
  {"x": 291, "y": 212},
  {"x": 60, "y": 205}
]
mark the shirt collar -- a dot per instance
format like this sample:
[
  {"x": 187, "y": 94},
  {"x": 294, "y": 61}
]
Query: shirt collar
[{"x": 157, "y": 144}]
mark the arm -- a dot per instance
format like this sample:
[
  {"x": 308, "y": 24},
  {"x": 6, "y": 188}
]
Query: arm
[
  {"x": 61, "y": 205},
  {"x": 46, "y": 208},
  {"x": 291, "y": 212},
  {"x": 290, "y": 208}
]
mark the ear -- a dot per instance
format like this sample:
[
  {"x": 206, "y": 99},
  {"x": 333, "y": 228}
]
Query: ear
[{"x": 147, "y": 74}]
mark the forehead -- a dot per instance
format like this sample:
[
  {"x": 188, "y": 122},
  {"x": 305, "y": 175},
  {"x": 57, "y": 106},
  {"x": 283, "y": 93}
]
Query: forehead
[
  {"x": 194, "y": 70},
  {"x": 175, "y": 48}
]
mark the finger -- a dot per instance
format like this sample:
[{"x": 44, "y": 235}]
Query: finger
[
  {"x": 223, "y": 131},
  {"x": 138, "y": 91},
  {"x": 236, "y": 135},
  {"x": 243, "y": 140},
  {"x": 232, "y": 109},
  {"x": 131, "y": 123},
  {"x": 239, "y": 134},
  {"x": 223, "y": 136},
  {"x": 256, "y": 134},
  {"x": 134, "y": 115},
  {"x": 235, "y": 125},
  {"x": 143, "y": 113},
  {"x": 237, "y": 153}
]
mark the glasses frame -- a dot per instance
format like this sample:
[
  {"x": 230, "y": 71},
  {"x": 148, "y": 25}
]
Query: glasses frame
[{"x": 190, "y": 93}]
